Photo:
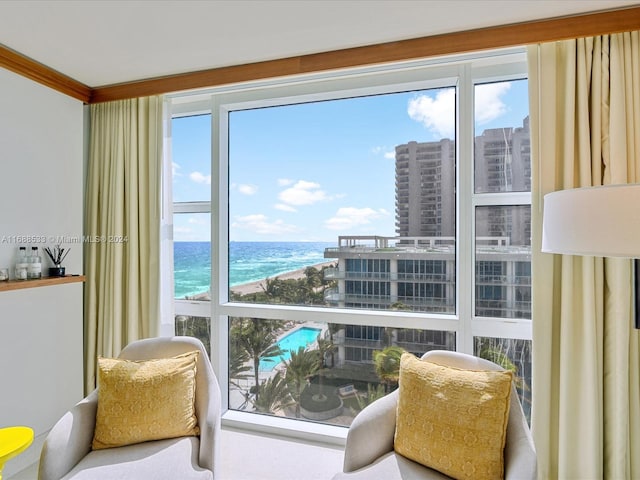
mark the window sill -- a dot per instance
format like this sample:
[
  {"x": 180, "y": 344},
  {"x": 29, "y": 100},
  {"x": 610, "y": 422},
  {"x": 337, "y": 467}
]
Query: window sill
[
  {"x": 40, "y": 282},
  {"x": 286, "y": 427}
]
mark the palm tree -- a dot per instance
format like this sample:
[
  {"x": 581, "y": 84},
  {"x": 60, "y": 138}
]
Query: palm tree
[
  {"x": 313, "y": 277},
  {"x": 333, "y": 329},
  {"x": 373, "y": 394},
  {"x": 387, "y": 365},
  {"x": 257, "y": 338},
  {"x": 238, "y": 359},
  {"x": 291, "y": 291},
  {"x": 325, "y": 346},
  {"x": 198, "y": 327},
  {"x": 302, "y": 365},
  {"x": 498, "y": 350},
  {"x": 271, "y": 288},
  {"x": 274, "y": 395}
]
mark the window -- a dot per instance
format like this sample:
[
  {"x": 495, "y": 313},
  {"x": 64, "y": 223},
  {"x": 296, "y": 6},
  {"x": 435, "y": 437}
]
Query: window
[
  {"x": 190, "y": 213},
  {"x": 355, "y": 218},
  {"x": 502, "y": 166}
]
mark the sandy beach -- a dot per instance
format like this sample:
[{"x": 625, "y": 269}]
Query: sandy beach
[{"x": 254, "y": 287}]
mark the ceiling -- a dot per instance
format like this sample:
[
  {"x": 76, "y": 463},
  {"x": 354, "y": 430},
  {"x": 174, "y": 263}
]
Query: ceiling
[{"x": 104, "y": 42}]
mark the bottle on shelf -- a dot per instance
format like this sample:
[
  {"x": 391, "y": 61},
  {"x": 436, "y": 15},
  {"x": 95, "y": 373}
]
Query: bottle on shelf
[
  {"x": 21, "y": 264},
  {"x": 34, "y": 269}
]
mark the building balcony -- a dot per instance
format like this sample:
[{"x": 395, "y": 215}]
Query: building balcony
[
  {"x": 336, "y": 274},
  {"x": 333, "y": 296}
]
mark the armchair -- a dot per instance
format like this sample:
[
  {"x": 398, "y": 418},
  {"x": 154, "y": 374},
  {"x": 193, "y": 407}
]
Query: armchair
[
  {"x": 67, "y": 452},
  {"x": 369, "y": 452}
]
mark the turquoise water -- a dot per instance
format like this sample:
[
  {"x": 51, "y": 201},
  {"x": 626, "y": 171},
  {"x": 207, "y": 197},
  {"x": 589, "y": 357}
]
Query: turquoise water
[
  {"x": 248, "y": 262},
  {"x": 300, "y": 338}
]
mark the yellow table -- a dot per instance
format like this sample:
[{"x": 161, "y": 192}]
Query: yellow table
[{"x": 13, "y": 441}]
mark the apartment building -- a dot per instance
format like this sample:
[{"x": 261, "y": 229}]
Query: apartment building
[{"x": 416, "y": 271}]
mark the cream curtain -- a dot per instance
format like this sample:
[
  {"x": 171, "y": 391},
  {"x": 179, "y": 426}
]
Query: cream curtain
[
  {"x": 122, "y": 220},
  {"x": 585, "y": 119}
]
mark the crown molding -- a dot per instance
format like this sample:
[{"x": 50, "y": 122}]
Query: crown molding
[
  {"x": 538, "y": 31},
  {"x": 18, "y": 63}
]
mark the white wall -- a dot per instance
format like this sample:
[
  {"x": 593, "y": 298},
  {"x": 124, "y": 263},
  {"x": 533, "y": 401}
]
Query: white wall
[{"x": 41, "y": 194}]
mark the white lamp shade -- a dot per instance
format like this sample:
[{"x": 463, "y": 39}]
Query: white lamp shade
[{"x": 600, "y": 221}]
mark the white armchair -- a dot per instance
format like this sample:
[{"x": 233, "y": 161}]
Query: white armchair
[
  {"x": 369, "y": 452},
  {"x": 67, "y": 452}
]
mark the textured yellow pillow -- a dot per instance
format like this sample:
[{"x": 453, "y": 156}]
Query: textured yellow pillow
[
  {"x": 453, "y": 420},
  {"x": 145, "y": 400}
]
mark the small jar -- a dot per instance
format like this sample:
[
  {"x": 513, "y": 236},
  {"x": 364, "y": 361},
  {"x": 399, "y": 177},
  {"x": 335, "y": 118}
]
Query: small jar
[
  {"x": 22, "y": 263},
  {"x": 4, "y": 274}
]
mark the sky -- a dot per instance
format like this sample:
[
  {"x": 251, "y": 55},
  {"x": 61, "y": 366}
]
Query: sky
[{"x": 312, "y": 172}]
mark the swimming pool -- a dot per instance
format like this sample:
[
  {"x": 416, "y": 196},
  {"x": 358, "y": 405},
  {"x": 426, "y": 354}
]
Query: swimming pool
[{"x": 292, "y": 341}]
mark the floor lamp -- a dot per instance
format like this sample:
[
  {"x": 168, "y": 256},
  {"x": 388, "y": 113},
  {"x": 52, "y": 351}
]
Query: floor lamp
[{"x": 601, "y": 221}]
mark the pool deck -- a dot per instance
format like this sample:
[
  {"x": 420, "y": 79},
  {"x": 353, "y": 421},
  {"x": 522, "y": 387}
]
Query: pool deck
[
  {"x": 236, "y": 396},
  {"x": 263, "y": 375}
]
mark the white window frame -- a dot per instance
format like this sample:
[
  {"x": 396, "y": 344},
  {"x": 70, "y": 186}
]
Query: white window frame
[
  {"x": 464, "y": 72},
  {"x": 182, "y": 106}
]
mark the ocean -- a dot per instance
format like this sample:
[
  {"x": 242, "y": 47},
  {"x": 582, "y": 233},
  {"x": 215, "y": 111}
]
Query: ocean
[{"x": 248, "y": 262}]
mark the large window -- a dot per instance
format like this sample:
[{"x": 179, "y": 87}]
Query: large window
[
  {"x": 190, "y": 213},
  {"x": 354, "y": 219}
]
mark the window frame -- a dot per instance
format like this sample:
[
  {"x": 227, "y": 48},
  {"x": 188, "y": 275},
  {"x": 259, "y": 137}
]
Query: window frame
[
  {"x": 462, "y": 72},
  {"x": 177, "y": 107}
]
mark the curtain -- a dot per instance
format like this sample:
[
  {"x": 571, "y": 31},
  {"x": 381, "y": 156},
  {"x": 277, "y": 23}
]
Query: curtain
[
  {"x": 122, "y": 225},
  {"x": 585, "y": 119}
]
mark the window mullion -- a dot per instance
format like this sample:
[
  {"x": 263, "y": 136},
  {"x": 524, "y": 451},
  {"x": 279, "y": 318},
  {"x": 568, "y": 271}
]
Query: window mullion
[
  {"x": 465, "y": 256},
  {"x": 219, "y": 252}
]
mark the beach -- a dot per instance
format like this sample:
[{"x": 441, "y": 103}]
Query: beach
[{"x": 253, "y": 287}]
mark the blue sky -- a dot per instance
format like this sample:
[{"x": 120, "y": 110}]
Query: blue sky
[{"x": 312, "y": 172}]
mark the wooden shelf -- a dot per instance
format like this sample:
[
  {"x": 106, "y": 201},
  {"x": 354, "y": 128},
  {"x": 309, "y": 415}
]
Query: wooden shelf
[{"x": 40, "y": 282}]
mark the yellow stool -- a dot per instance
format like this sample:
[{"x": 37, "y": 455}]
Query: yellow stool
[{"x": 13, "y": 441}]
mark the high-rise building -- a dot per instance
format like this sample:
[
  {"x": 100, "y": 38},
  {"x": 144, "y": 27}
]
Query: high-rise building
[
  {"x": 502, "y": 158},
  {"x": 416, "y": 270},
  {"x": 425, "y": 189}
]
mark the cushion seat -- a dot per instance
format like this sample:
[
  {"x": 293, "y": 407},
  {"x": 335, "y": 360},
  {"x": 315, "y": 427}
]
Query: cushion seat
[
  {"x": 392, "y": 466},
  {"x": 171, "y": 459}
]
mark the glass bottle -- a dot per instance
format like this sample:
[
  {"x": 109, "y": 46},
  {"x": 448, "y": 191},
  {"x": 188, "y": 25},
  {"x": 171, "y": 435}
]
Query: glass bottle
[
  {"x": 21, "y": 264},
  {"x": 34, "y": 270}
]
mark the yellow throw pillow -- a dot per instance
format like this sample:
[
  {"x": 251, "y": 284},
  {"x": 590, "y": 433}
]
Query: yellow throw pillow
[
  {"x": 453, "y": 420},
  {"x": 145, "y": 400}
]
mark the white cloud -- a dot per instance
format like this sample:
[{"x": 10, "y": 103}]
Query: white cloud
[
  {"x": 488, "y": 101},
  {"x": 284, "y": 182},
  {"x": 247, "y": 189},
  {"x": 284, "y": 208},
  {"x": 349, "y": 217},
  {"x": 303, "y": 193},
  {"x": 200, "y": 178},
  {"x": 174, "y": 169},
  {"x": 262, "y": 225},
  {"x": 384, "y": 151},
  {"x": 436, "y": 114}
]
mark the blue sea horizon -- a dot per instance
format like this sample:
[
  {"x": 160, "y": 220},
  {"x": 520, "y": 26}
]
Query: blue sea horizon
[{"x": 248, "y": 262}]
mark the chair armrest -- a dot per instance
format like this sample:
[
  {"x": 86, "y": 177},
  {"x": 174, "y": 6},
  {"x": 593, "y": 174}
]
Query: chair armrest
[
  {"x": 520, "y": 461},
  {"x": 69, "y": 440},
  {"x": 371, "y": 433},
  {"x": 209, "y": 409}
]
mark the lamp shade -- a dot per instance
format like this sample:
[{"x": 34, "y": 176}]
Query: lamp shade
[{"x": 599, "y": 221}]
